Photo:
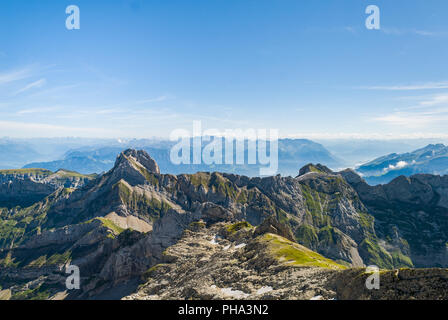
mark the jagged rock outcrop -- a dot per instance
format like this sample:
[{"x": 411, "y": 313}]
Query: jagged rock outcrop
[
  {"x": 271, "y": 225},
  {"x": 399, "y": 284},
  {"x": 203, "y": 265},
  {"x": 24, "y": 187},
  {"x": 410, "y": 215},
  {"x": 318, "y": 168}
]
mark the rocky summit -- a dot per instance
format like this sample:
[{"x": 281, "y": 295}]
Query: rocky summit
[{"x": 135, "y": 233}]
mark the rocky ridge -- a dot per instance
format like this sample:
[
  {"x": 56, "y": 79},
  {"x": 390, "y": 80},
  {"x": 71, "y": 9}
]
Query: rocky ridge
[
  {"x": 23, "y": 187},
  {"x": 127, "y": 220}
]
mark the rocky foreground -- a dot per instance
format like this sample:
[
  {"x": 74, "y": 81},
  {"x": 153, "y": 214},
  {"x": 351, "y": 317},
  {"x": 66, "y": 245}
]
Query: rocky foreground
[
  {"x": 222, "y": 263},
  {"x": 135, "y": 233}
]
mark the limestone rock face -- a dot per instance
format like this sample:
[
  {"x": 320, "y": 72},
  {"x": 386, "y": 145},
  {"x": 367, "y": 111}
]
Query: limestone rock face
[
  {"x": 213, "y": 213},
  {"x": 271, "y": 225},
  {"x": 402, "y": 210},
  {"x": 400, "y": 284},
  {"x": 140, "y": 157},
  {"x": 351, "y": 176},
  {"x": 27, "y": 186},
  {"x": 318, "y": 168}
]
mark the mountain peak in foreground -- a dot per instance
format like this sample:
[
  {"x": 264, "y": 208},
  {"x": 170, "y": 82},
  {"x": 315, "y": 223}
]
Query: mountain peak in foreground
[
  {"x": 139, "y": 158},
  {"x": 317, "y": 168}
]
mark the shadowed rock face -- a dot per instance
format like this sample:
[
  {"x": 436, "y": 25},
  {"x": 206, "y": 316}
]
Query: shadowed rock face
[
  {"x": 334, "y": 214},
  {"x": 400, "y": 284},
  {"x": 27, "y": 186},
  {"x": 411, "y": 212},
  {"x": 271, "y": 225}
]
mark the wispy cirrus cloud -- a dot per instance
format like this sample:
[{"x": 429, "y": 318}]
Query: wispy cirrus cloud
[
  {"x": 413, "y": 119},
  {"x": 405, "y": 31},
  {"x": 428, "y": 111},
  {"x": 364, "y": 136},
  {"x": 410, "y": 87},
  {"x": 157, "y": 99},
  {"x": 350, "y": 29},
  {"x": 33, "y": 85},
  {"x": 11, "y": 76},
  {"x": 36, "y": 110},
  {"x": 432, "y": 101},
  {"x": 36, "y": 129}
]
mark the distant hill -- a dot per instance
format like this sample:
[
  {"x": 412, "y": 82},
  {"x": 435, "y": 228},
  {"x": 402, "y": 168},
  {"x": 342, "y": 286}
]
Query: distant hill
[
  {"x": 82, "y": 160},
  {"x": 15, "y": 154},
  {"x": 293, "y": 154},
  {"x": 432, "y": 159}
]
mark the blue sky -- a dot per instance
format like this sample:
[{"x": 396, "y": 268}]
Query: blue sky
[{"x": 143, "y": 68}]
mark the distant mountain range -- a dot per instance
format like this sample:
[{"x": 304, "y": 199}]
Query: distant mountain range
[
  {"x": 355, "y": 152},
  {"x": 432, "y": 159},
  {"x": 98, "y": 155},
  {"x": 293, "y": 154},
  {"x": 14, "y": 154}
]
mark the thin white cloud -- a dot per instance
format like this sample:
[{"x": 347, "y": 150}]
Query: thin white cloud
[
  {"x": 110, "y": 111},
  {"x": 398, "y": 166},
  {"x": 158, "y": 99},
  {"x": 350, "y": 29},
  {"x": 15, "y": 75},
  {"x": 414, "y": 119},
  {"x": 427, "y": 102},
  {"x": 435, "y": 100},
  {"x": 33, "y": 85},
  {"x": 36, "y": 110},
  {"x": 55, "y": 91},
  {"x": 393, "y": 31},
  {"x": 413, "y": 87},
  {"x": 366, "y": 136},
  {"x": 428, "y": 111},
  {"x": 426, "y": 33},
  {"x": 30, "y": 129},
  {"x": 403, "y": 31}
]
